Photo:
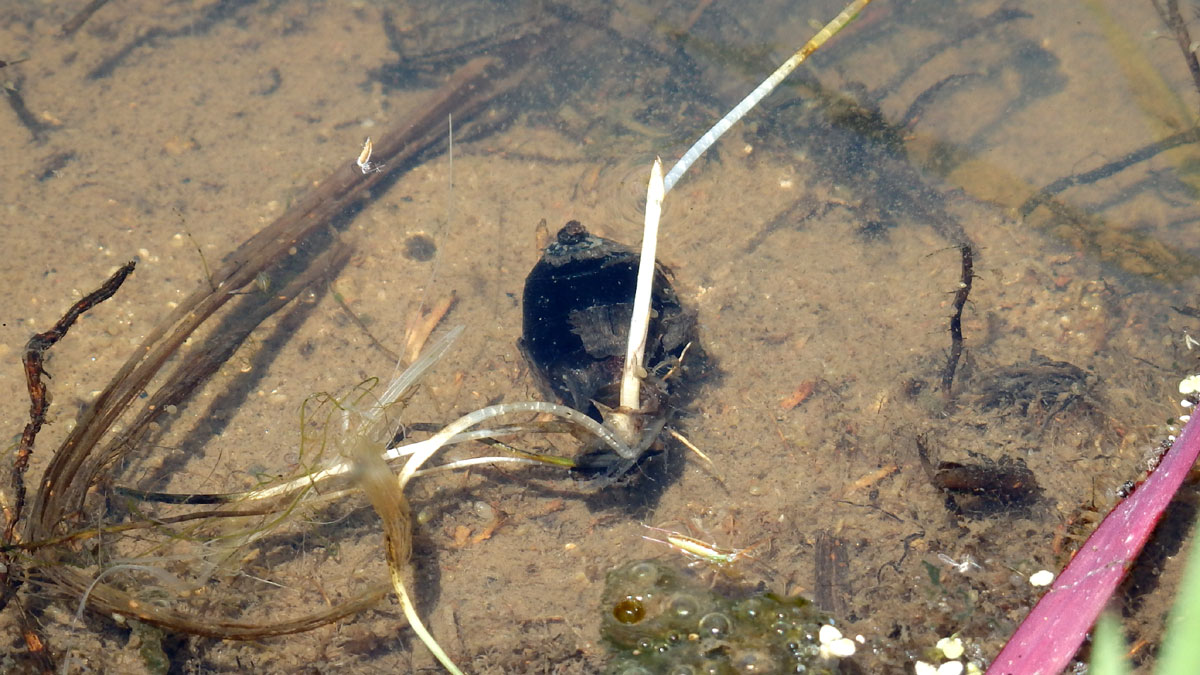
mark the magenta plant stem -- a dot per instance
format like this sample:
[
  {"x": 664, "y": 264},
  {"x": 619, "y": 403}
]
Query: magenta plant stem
[{"x": 1051, "y": 634}]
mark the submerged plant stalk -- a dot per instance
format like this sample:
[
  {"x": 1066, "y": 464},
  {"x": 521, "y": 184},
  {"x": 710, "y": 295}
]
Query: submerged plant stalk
[
  {"x": 640, "y": 323},
  {"x": 761, "y": 91},
  {"x": 622, "y": 420}
]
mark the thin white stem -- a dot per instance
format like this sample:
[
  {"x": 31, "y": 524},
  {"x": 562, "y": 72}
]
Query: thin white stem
[
  {"x": 345, "y": 466},
  {"x": 414, "y": 621},
  {"x": 639, "y": 324},
  {"x": 761, "y": 91},
  {"x": 435, "y": 443},
  {"x": 475, "y": 461}
]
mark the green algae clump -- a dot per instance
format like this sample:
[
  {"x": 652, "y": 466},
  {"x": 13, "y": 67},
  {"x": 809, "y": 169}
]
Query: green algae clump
[{"x": 658, "y": 621}]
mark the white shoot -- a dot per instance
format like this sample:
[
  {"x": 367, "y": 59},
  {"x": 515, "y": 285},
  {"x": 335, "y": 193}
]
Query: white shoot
[
  {"x": 635, "y": 350},
  {"x": 633, "y": 369}
]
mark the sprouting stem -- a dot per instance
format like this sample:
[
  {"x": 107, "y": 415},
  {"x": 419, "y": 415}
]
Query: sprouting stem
[{"x": 635, "y": 351}]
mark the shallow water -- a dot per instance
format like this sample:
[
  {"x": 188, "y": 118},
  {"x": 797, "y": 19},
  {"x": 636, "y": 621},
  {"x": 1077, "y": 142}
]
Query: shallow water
[{"x": 819, "y": 243}]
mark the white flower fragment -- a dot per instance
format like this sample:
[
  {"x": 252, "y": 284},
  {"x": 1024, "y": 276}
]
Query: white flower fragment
[
  {"x": 951, "y": 647},
  {"x": 1041, "y": 578},
  {"x": 950, "y": 668},
  {"x": 833, "y": 645},
  {"x": 828, "y": 634},
  {"x": 922, "y": 668},
  {"x": 1189, "y": 385}
]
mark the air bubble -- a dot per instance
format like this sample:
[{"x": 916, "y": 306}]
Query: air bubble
[
  {"x": 715, "y": 625},
  {"x": 644, "y": 573},
  {"x": 754, "y": 662},
  {"x": 684, "y": 606}
]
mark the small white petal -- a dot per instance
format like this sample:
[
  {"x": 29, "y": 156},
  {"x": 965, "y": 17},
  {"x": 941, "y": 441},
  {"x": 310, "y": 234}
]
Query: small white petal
[
  {"x": 842, "y": 647},
  {"x": 950, "y": 668},
  {"x": 922, "y": 668},
  {"x": 828, "y": 634},
  {"x": 1189, "y": 385},
  {"x": 951, "y": 647},
  {"x": 1041, "y": 578}
]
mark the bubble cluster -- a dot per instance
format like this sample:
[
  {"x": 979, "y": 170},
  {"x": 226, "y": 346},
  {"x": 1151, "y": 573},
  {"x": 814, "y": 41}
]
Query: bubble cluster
[{"x": 658, "y": 621}]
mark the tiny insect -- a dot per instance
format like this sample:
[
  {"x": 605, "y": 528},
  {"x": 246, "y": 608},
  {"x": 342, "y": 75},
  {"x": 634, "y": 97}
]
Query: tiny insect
[
  {"x": 700, "y": 551},
  {"x": 364, "y": 159}
]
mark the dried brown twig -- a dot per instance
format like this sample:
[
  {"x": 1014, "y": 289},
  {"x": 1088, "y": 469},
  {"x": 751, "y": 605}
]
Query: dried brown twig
[{"x": 34, "y": 361}]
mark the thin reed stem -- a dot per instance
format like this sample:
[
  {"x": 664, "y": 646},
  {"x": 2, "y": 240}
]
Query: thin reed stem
[{"x": 761, "y": 91}]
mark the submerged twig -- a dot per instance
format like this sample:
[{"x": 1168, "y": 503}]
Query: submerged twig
[
  {"x": 1170, "y": 16},
  {"x": 34, "y": 359},
  {"x": 1046, "y": 194},
  {"x": 76, "y": 22},
  {"x": 35, "y": 352},
  {"x": 64, "y": 487},
  {"x": 956, "y": 336}
]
